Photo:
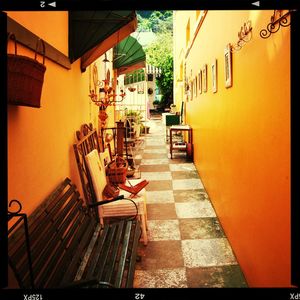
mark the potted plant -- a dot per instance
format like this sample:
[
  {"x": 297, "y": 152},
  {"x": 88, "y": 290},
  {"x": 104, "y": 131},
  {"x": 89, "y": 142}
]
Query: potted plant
[{"x": 135, "y": 120}]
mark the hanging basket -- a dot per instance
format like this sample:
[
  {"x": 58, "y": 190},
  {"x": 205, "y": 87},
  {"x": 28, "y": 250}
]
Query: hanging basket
[
  {"x": 131, "y": 89},
  {"x": 117, "y": 170},
  {"x": 25, "y": 77}
]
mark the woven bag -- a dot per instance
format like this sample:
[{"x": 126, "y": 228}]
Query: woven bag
[
  {"x": 25, "y": 77},
  {"x": 117, "y": 170},
  {"x": 110, "y": 191}
]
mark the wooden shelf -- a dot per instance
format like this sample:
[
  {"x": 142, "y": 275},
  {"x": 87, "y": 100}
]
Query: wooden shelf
[
  {"x": 180, "y": 145},
  {"x": 29, "y": 40}
]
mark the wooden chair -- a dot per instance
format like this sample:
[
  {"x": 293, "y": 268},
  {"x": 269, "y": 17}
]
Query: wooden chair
[{"x": 93, "y": 180}]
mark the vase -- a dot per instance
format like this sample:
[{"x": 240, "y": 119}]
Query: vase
[{"x": 102, "y": 117}]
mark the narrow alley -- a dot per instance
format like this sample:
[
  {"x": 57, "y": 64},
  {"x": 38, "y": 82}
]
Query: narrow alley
[
  {"x": 91, "y": 99},
  {"x": 187, "y": 246}
]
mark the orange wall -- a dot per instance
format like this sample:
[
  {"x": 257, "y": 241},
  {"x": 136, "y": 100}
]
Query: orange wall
[
  {"x": 40, "y": 140},
  {"x": 242, "y": 140}
]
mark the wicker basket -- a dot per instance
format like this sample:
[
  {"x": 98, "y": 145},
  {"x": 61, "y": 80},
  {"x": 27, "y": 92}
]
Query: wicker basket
[
  {"x": 110, "y": 191},
  {"x": 117, "y": 170},
  {"x": 25, "y": 78}
]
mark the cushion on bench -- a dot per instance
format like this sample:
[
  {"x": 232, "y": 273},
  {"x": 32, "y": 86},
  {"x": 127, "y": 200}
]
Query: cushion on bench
[{"x": 97, "y": 172}]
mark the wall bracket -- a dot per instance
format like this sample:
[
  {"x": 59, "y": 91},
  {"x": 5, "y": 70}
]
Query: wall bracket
[{"x": 277, "y": 20}]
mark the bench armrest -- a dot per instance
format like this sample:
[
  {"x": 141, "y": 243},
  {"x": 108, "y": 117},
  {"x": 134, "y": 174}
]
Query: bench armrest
[
  {"x": 120, "y": 197},
  {"x": 98, "y": 203}
]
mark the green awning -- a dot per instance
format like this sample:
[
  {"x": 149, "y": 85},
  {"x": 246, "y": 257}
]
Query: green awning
[
  {"x": 87, "y": 29},
  {"x": 127, "y": 53}
]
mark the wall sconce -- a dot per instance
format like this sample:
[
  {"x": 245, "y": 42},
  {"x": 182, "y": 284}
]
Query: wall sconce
[
  {"x": 105, "y": 60},
  {"x": 106, "y": 94},
  {"x": 244, "y": 35},
  {"x": 277, "y": 20}
]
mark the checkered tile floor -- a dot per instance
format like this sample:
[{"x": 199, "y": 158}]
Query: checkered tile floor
[{"x": 187, "y": 246}]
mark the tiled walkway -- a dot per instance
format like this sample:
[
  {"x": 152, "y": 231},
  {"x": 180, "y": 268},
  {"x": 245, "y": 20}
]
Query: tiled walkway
[{"x": 187, "y": 246}]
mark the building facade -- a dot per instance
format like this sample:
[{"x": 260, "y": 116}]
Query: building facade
[{"x": 236, "y": 97}]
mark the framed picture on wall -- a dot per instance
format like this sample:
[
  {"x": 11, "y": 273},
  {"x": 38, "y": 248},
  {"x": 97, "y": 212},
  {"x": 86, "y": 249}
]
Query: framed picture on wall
[
  {"x": 182, "y": 113},
  {"x": 200, "y": 81},
  {"x": 228, "y": 66},
  {"x": 188, "y": 90},
  {"x": 214, "y": 67},
  {"x": 204, "y": 78},
  {"x": 195, "y": 87}
]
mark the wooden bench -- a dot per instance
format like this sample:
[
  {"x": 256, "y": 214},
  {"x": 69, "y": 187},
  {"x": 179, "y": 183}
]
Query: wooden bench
[
  {"x": 69, "y": 248},
  {"x": 89, "y": 141}
]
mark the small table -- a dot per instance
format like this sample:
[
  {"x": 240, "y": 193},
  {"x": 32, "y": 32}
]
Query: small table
[{"x": 173, "y": 146}]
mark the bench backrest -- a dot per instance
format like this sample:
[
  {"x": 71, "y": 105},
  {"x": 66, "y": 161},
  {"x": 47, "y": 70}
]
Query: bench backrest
[
  {"x": 85, "y": 145},
  {"x": 59, "y": 230}
]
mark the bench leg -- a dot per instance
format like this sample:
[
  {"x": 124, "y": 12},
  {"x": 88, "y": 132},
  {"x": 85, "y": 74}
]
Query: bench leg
[
  {"x": 101, "y": 221},
  {"x": 144, "y": 230},
  {"x": 146, "y": 218}
]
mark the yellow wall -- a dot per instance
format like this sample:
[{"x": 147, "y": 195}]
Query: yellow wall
[
  {"x": 242, "y": 138},
  {"x": 40, "y": 140}
]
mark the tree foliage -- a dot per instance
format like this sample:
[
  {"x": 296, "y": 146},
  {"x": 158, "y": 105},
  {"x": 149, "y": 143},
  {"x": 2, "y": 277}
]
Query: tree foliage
[
  {"x": 158, "y": 21},
  {"x": 165, "y": 82},
  {"x": 145, "y": 13},
  {"x": 143, "y": 23},
  {"x": 160, "y": 52}
]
